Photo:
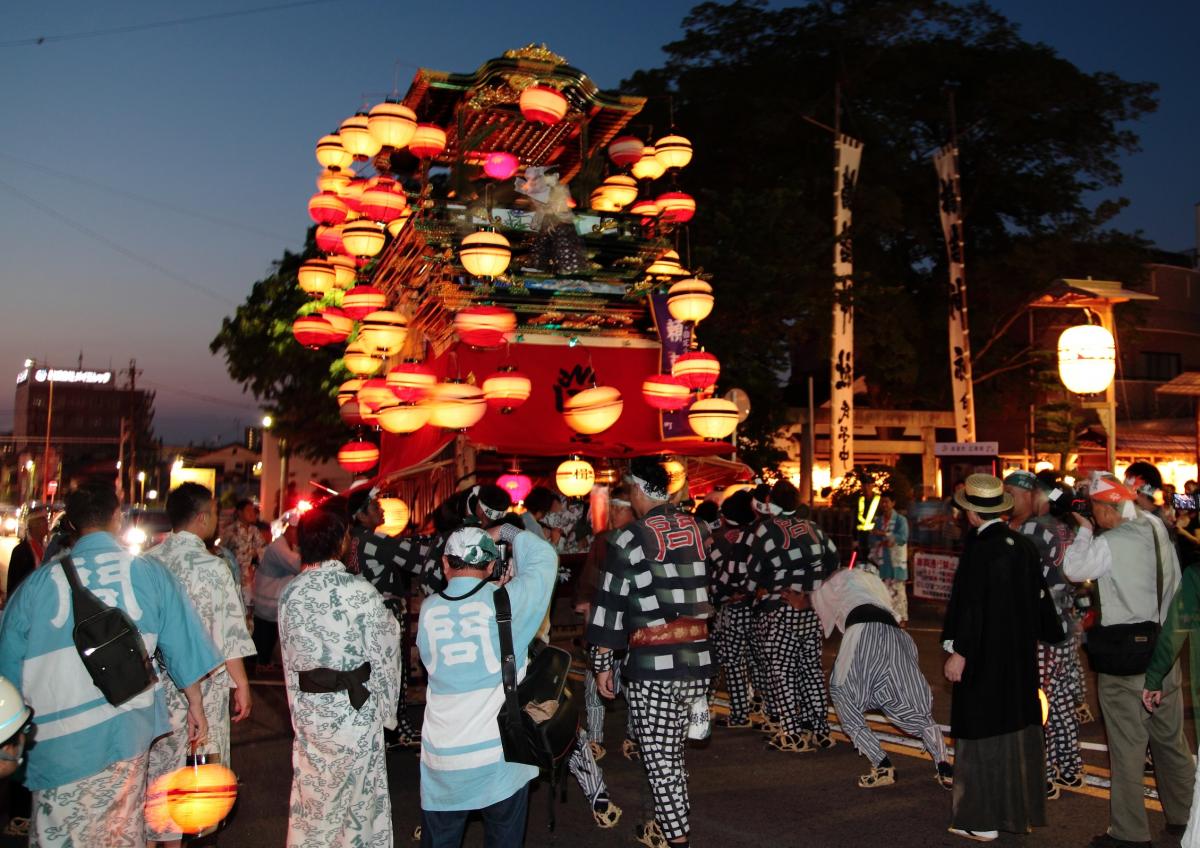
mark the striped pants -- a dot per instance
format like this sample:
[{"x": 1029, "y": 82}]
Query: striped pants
[
  {"x": 586, "y": 770},
  {"x": 593, "y": 703},
  {"x": 1059, "y": 666},
  {"x": 732, "y": 639},
  {"x": 792, "y": 644},
  {"x": 877, "y": 669}
]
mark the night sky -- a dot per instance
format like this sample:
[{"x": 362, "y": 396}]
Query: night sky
[{"x": 148, "y": 177}]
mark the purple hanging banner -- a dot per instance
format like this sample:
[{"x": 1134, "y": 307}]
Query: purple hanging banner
[{"x": 676, "y": 338}]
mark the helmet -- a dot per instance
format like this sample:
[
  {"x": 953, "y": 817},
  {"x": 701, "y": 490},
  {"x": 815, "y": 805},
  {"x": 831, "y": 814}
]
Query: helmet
[{"x": 13, "y": 711}]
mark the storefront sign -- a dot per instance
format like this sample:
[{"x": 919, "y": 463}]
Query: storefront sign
[
  {"x": 63, "y": 375},
  {"x": 966, "y": 448},
  {"x": 933, "y": 575}
]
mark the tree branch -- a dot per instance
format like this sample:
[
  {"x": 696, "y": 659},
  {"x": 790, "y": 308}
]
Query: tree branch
[
  {"x": 1002, "y": 369},
  {"x": 998, "y": 333}
]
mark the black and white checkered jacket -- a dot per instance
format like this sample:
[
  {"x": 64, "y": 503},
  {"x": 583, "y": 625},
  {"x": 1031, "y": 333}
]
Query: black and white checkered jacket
[
  {"x": 788, "y": 553},
  {"x": 728, "y": 564}
]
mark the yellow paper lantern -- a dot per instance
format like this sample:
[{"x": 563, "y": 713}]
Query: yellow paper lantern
[
  {"x": 648, "y": 167},
  {"x": 428, "y": 141},
  {"x": 713, "y": 418},
  {"x": 485, "y": 254},
  {"x": 455, "y": 406},
  {"x": 593, "y": 410},
  {"x": 200, "y": 797},
  {"x": 374, "y": 393},
  {"x": 359, "y": 361},
  {"x": 622, "y": 190},
  {"x": 397, "y": 417},
  {"x": 348, "y": 391},
  {"x": 676, "y": 475},
  {"x": 384, "y": 332},
  {"x": 575, "y": 477},
  {"x": 392, "y": 124},
  {"x": 395, "y": 516},
  {"x": 506, "y": 389},
  {"x": 316, "y": 277},
  {"x": 666, "y": 266},
  {"x": 601, "y": 201},
  {"x": 690, "y": 300},
  {"x": 673, "y": 151},
  {"x": 395, "y": 225},
  {"x": 363, "y": 238},
  {"x": 333, "y": 180},
  {"x": 331, "y": 153},
  {"x": 646, "y": 207},
  {"x": 543, "y": 104},
  {"x": 344, "y": 269},
  {"x": 1087, "y": 358},
  {"x": 357, "y": 138}
]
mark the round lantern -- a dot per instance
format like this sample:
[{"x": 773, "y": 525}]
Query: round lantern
[
  {"x": 351, "y": 414},
  {"x": 676, "y": 206},
  {"x": 331, "y": 153},
  {"x": 663, "y": 391},
  {"x": 690, "y": 301},
  {"x": 713, "y": 418},
  {"x": 361, "y": 301},
  {"x": 329, "y": 238},
  {"x": 697, "y": 369},
  {"x": 645, "y": 207},
  {"x": 543, "y": 105},
  {"x": 313, "y": 331},
  {"x": 1087, "y": 358},
  {"x": 359, "y": 361},
  {"x": 200, "y": 797},
  {"x": 352, "y": 194},
  {"x": 455, "y": 406},
  {"x": 428, "y": 141},
  {"x": 575, "y": 477},
  {"x": 648, "y": 167},
  {"x": 500, "y": 165},
  {"x": 593, "y": 410},
  {"x": 395, "y": 516},
  {"x": 625, "y": 150},
  {"x": 357, "y": 138},
  {"x": 395, "y": 225},
  {"x": 343, "y": 324},
  {"x": 348, "y": 391},
  {"x": 506, "y": 389},
  {"x": 384, "y": 332},
  {"x": 676, "y": 475},
  {"x": 485, "y": 326},
  {"x": 334, "y": 181},
  {"x": 356, "y": 457},
  {"x": 345, "y": 272},
  {"x": 397, "y": 417},
  {"x": 667, "y": 265},
  {"x": 601, "y": 201},
  {"x": 315, "y": 277},
  {"x": 363, "y": 238},
  {"x": 325, "y": 207},
  {"x": 392, "y": 124},
  {"x": 374, "y": 393},
  {"x": 485, "y": 254},
  {"x": 517, "y": 486},
  {"x": 383, "y": 200},
  {"x": 673, "y": 151},
  {"x": 622, "y": 190},
  {"x": 411, "y": 381}
]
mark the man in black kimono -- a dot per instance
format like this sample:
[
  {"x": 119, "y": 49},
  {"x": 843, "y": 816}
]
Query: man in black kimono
[{"x": 999, "y": 609}]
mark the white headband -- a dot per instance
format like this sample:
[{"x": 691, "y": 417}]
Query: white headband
[
  {"x": 651, "y": 491},
  {"x": 619, "y": 503}
]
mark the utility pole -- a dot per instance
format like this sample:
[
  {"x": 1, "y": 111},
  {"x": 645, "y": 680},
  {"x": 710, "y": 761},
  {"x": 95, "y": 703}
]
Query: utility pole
[
  {"x": 132, "y": 373},
  {"x": 121, "y": 463}
]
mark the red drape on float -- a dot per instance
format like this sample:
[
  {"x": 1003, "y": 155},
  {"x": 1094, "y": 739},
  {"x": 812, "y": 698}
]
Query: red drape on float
[{"x": 537, "y": 428}]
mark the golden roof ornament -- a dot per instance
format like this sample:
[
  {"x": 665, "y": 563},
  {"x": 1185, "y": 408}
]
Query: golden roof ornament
[{"x": 536, "y": 52}]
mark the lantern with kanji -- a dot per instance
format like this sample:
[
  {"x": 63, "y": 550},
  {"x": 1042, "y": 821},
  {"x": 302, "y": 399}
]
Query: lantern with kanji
[
  {"x": 506, "y": 389},
  {"x": 358, "y": 456},
  {"x": 664, "y": 391},
  {"x": 316, "y": 277},
  {"x": 455, "y": 405},
  {"x": 713, "y": 418},
  {"x": 690, "y": 300},
  {"x": 384, "y": 332},
  {"x": 593, "y": 410},
  {"x": 428, "y": 141},
  {"x": 356, "y": 136},
  {"x": 698, "y": 369},
  {"x": 485, "y": 253},
  {"x": 392, "y": 124},
  {"x": 485, "y": 326},
  {"x": 542, "y": 104},
  {"x": 361, "y": 301},
  {"x": 575, "y": 477},
  {"x": 677, "y": 206},
  {"x": 1087, "y": 358}
]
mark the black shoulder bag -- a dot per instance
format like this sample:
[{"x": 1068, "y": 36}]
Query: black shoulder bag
[
  {"x": 1126, "y": 649},
  {"x": 109, "y": 644}
]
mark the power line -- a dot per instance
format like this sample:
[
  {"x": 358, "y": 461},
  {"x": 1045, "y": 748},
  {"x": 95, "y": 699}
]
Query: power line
[
  {"x": 198, "y": 396},
  {"x": 124, "y": 251},
  {"x": 96, "y": 33}
]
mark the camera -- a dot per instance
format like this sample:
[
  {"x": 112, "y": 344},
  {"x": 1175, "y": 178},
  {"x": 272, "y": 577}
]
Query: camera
[
  {"x": 1060, "y": 498},
  {"x": 1185, "y": 502},
  {"x": 501, "y": 564},
  {"x": 1082, "y": 506}
]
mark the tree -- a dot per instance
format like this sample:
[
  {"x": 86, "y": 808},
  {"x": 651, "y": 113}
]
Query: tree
[{"x": 1037, "y": 135}]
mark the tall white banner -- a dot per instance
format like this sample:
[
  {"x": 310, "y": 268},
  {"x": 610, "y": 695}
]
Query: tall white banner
[
  {"x": 946, "y": 163},
  {"x": 848, "y": 153}
]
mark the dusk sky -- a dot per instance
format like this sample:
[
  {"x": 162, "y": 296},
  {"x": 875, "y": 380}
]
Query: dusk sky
[{"x": 148, "y": 177}]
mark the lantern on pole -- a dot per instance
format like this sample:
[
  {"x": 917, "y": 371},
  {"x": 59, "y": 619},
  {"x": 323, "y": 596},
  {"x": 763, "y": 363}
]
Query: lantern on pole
[
  {"x": 575, "y": 477},
  {"x": 325, "y": 207},
  {"x": 329, "y": 238},
  {"x": 648, "y": 167},
  {"x": 677, "y": 206},
  {"x": 363, "y": 238},
  {"x": 625, "y": 150},
  {"x": 666, "y": 266},
  {"x": 333, "y": 180},
  {"x": 345, "y": 272},
  {"x": 313, "y": 331},
  {"x": 343, "y": 324},
  {"x": 593, "y": 410},
  {"x": 374, "y": 393},
  {"x": 506, "y": 389},
  {"x": 348, "y": 391},
  {"x": 1087, "y": 358},
  {"x": 383, "y": 200},
  {"x": 485, "y": 326},
  {"x": 392, "y": 124},
  {"x": 485, "y": 254},
  {"x": 542, "y": 104},
  {"x": 713, "y": 418},
  {"x": 690, "y": 300},
  {"x": 620, "y": 189},
  {"x": 358, "y": 456},
  {"x": 455, "y": 405}
]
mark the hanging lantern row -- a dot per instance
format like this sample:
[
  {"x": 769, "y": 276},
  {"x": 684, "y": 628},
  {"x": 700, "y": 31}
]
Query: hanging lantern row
[{"x": 671, "y": 152}]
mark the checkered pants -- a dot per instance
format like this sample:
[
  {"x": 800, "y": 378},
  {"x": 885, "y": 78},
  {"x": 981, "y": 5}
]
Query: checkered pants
[
  {"x": 1059, "y": 666},
  {"x": 792, "y": 642},
  {"x": 732, "y": 640},
  {"x": 759, "y": 675},
  {"x": 659, "y": 712}
]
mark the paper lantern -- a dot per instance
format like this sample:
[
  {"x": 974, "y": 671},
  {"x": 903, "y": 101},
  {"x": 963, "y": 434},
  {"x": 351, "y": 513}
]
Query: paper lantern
[
  {"x": 676, "y": 206},
  {"x": 352, "y": 194},
  {"x": 329, "y": 238},
  {"x": 345, "y": 271},
  {"x": 485, "y": 326},
  {"x": 601, "y": 201},
  {"x": 666, "y": 266},
  {"x": 331, "y": 153},
  {"x": 1087, "y": 358},
  {"x": 334, "y": 181},
  {"x": 343, "y": 324},
  {"x": 575, "y": 477},
  {"x": 676, "y": 475},
  {"x": 395, "y": 225},
  {"x": 398, "y": 417},
  {"x": 316, "y": 277},
  {"x": 697, "y": 369},
  {"x": 356, "y": 136},
  {"x": 690, "y": 300},
  {"x": 357, "y": 457},
  {"x": 392, "y": 124},
  {"x": 361, "y": 301},
  {"x": 363, "y": 238},
  {"x": 542, "y": 104},
  {"x": 622, "y": 190},
  {"x": 648, "y": 167},
  {"x": 593, "y": 410},
  {"x": 663, "y": 391},
  {"x": 200, "y": 797},
  {"x": 325, "y": 207},
  {"x": 428, "y": 141},
  {"x": 411, "y": 381},
  {"x": 518, "y": 486},
  {"x": 455, "y": 405},
  {"x": 506, "y": 389},
  {"x": 673, "y": 151},
  {"x": 313, "y": 331},
  {"x": 485, "y": 253},
  {"x": 500, "y": 165},
  {"x": 395, "y": 516},
  {"x": 374, "y": 393},
  {"x": 713, "y": 418},
  {"x": 351, "y": 414},
  {"x": 348, "y": 391},
  {"x": 384, "y": 332},
  {"x": 625, "y": 150},
  {"x": 359, "y": 361},
  {"x": 645, "y": 207},
  {"x": 383, "y": 200}
]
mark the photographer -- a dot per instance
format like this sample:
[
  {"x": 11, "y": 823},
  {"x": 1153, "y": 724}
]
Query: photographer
[
  {"x": 1125, "y": 562},
  {"x": 462, "y": 762}
]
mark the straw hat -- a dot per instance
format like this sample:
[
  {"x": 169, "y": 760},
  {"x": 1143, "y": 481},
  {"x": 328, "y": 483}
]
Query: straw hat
[{"x": 984, "y": 494}]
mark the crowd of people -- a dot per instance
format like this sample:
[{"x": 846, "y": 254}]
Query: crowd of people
[{"x": 746, "y": 590}]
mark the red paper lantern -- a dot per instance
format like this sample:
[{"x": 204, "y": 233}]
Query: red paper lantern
[
  {"x": 428, "y": 141},
  {"x": 664, "y": 391},
  {"x": 500, "y": 165},
  {"x": 361, "y": 301},
  {"x": 625, "y": 150},
  {"x": 411, "y": 381},
  {"x": 485, "y": 326},
  {"x": 356, "y": 457},
  {"x": 313, "y": 331},
  {"x": 374, "y": 393},
  {"x": 506, "y": 389},
  {"x": 325, "y": 207},
  {"x": 329, "y": 238},
  {"x": 343, "y": 324},
  {"x": 698, "y": 369},
  {"x": 517, "y": 486},
  {"x": 543, "y": 105},
  {"x": 676, "y": 206},
  {"x": 352, "y": 194},
  {"x": 383, "y": 200}
]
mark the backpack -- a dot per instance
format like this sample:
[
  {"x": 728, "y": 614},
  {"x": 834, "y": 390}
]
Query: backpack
[{"x": 109, "y": 644}]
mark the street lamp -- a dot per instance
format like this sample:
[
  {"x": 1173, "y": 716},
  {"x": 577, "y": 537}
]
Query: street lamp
[
  {"x": 267, "y": 421},
  {"x": 141, "y": 478}
]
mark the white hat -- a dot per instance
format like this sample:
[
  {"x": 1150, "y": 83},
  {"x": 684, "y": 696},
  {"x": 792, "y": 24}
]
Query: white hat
[{"x": 13, "y": 710}]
